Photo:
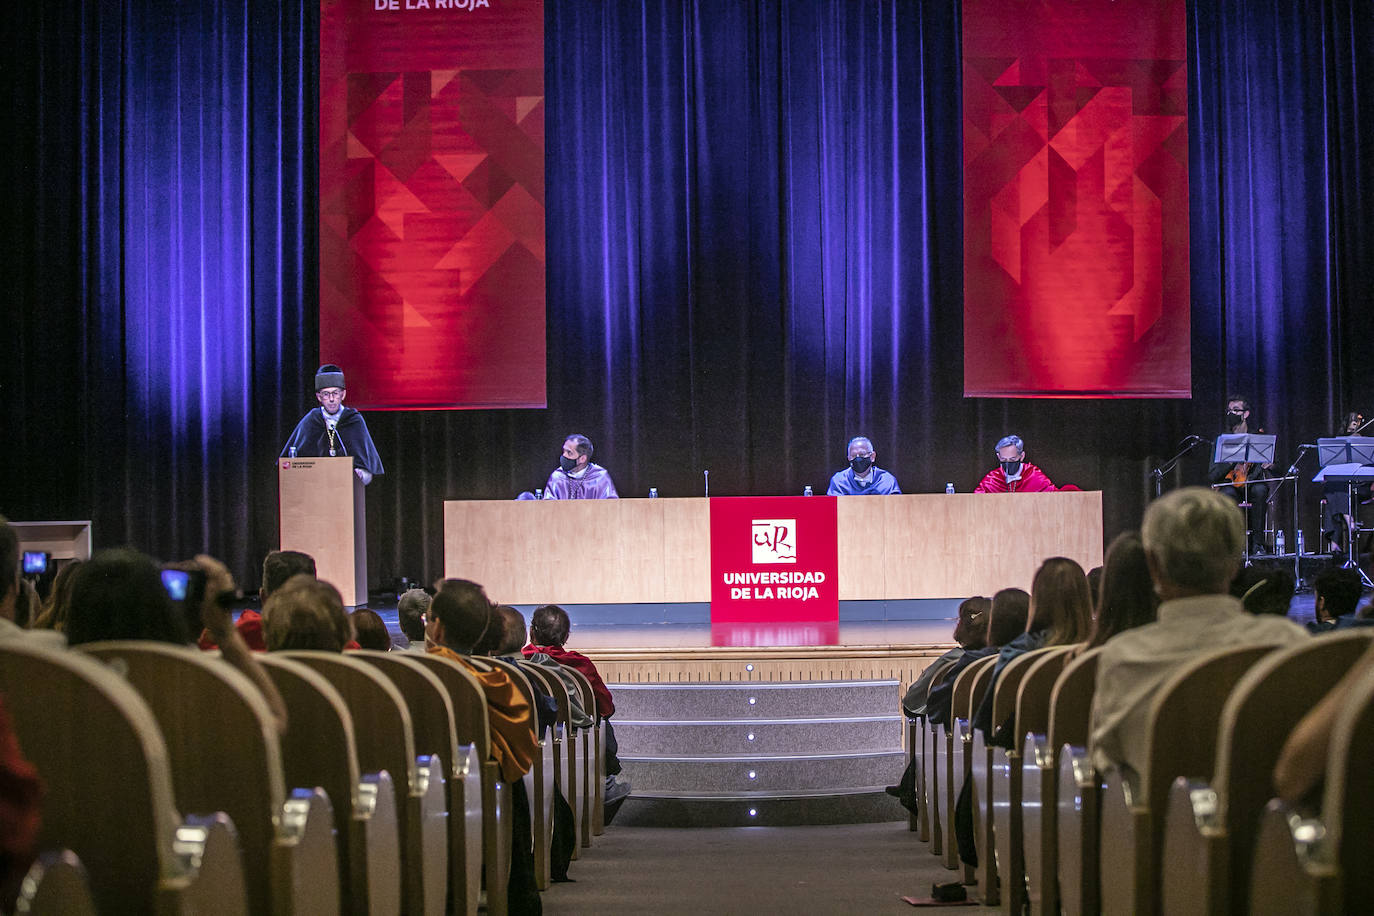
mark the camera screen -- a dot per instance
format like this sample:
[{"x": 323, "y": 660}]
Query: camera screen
[
  {"x": 35, "y": 562},
  {"x": 176, "y": 582}
]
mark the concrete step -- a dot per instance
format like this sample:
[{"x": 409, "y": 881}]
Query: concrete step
[
  {"x": 684, "y": 775},
  {"x": 757, "y": 736},
  {"x": 695, "y": 702},
  {"x": 864, "y": 805}
]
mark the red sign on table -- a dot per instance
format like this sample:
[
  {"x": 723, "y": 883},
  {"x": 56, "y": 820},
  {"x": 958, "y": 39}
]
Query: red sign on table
[{"x": 774, "y": 564}]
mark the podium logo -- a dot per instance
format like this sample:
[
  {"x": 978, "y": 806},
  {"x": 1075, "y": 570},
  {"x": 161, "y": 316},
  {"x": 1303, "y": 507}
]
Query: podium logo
[
  {"x": 286, "y": 464},
  {"x": 775, "y": 540}
]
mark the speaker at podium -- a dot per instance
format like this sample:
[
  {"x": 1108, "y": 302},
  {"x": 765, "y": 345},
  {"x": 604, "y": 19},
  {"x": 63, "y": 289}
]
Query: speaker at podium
[{"x": 322, "y": 512}]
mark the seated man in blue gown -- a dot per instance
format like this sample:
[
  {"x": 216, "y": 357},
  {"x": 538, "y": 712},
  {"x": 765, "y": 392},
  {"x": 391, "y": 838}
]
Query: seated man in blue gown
[{"x": 863, "y": 477}]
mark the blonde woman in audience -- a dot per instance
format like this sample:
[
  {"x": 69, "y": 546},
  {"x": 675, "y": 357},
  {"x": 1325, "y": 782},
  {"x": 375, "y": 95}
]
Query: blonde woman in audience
[
  {"x": 305, "y": 614},
  {"x": 54, "y": 613}
]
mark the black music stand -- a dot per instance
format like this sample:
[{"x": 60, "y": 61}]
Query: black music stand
[
  {"x": 1348, "y": 460},
  {"x": 1244, "y": 448}
]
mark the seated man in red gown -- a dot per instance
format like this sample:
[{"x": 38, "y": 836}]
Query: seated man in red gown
[{"x": 1014, "y": 473}]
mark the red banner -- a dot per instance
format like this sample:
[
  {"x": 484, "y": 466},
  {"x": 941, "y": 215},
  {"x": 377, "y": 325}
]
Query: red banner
[
  {"x": 432, "y": 201},
  {"x": 774, "y": 563},
  {"x": 1075, "y": 198}
]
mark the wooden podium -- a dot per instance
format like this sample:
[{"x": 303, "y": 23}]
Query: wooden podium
[{"x": 322, "y": 513}]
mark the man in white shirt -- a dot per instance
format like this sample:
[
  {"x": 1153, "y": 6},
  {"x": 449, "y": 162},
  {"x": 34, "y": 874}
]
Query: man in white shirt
[{"x": 1193, "y": 539}]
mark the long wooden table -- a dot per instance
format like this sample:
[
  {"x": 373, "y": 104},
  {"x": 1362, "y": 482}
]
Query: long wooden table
[{"x": 630, "y": 551}]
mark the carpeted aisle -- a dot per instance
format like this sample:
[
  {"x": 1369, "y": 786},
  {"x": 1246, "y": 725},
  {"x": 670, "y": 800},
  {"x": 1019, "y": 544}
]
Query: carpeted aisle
[{"x": 862, "y": 868}]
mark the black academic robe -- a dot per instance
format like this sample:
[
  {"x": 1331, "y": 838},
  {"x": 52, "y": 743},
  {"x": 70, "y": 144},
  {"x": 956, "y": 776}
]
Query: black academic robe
[{"x": 310, "y": 439}]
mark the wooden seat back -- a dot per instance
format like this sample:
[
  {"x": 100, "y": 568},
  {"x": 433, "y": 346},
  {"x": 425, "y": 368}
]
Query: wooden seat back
[
  {"x": 593, "y": 784},
  {"x": 222, "y": 747},
  {"x": 384, "y": 734},
  {"x": 1264, "y": 707},
  {"x": 1008, "y": 686},
  {"x": 1033, "y": 694},
  {"x": 108, "y": 780},
  {"x": 1071, "y": 701},
  {"x": 56, "y": 885},
  {"x": 319, "y": 749},
  {"x": 1348, "y": 799}
]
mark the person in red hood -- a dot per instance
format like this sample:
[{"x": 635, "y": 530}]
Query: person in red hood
[{"x": 1014, "y": 474}]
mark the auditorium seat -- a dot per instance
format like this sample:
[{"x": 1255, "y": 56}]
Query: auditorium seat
[
  {"x": 919, "y": 745},
  {"x": 103, "y": 761},
  {"x": 1035, "y": 725},
  {"x": 593, "y": 749},
  {"x": 538, "y": 781},
  {"x": 223, "y": 749},
  {"x": 1180, "y": 740},
  {"x": 56, "y": 884},
  {"x": 470, "y": 719},
  {"x": 565, "y": 739},
  {"x": 384, "y": 738},
  {"x": 958, "y": 760},
  {"x": 976, "y": 772},
  {"x": 319, "y": 749},
  {"x": 1209, "y": 832},
  {"x": 1013, "y": 703},
  {"x": 1319, "y": 863},
  {"x": 1069, "y": 876},
  {"x": 435, "y": 733}
]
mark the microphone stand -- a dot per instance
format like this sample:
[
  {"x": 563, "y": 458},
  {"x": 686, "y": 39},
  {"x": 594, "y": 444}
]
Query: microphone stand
[
  {"x": 1158, "y": 473},
  {"x": 1292, "y": 474}
]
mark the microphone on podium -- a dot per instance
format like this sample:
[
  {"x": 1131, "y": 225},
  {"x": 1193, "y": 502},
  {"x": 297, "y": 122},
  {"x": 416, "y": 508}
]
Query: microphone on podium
[{"x": 706, "y": 482}]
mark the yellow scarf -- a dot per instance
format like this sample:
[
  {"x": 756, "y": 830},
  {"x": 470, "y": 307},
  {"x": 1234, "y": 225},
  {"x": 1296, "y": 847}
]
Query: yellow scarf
[{"x": 513, "y": 744}]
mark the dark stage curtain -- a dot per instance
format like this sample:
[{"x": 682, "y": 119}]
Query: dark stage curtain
[{"x": 754, "y": 245}]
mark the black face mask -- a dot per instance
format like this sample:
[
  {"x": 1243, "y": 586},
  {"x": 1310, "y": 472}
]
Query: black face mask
[
  {"x": 1010, "y": 468},
  {"x": 568, "y": 464},
  {"x": 1234, "y": 419},
  {"x": 861, "y": 463}
]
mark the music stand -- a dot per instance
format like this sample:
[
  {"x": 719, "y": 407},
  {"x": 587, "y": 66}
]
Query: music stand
[
  {"x": 1348, "y": 460},
  {"x": 1244, "y": 448}
]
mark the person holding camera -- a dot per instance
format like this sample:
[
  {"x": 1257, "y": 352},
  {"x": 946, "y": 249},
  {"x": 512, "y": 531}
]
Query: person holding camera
[{"x": 12, "y": 592}]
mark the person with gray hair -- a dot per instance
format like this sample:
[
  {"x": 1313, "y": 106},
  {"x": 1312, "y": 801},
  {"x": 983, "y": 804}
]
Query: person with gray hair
[
  {"x": 1014, "y": 474},
  {"x": 411, "y": 608},
  {"x": 1193, "y": 539},
  {"x": 863, "y": 477}
]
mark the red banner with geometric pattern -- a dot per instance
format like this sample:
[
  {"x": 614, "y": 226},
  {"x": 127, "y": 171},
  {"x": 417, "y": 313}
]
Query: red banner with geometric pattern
[
  {"x": 432, "y": 201},
  {"x": 1075, "y": 122}
]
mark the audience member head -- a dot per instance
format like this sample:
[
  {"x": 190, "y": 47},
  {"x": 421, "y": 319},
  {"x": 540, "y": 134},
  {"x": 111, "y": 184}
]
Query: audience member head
[
  {"x": 1338, "y": 593},
  {"x": 305, "y": 613},
  {"x": 460, "y": 616},
  {"x": 1060, "y": 604},
  {"x": 280, "y": 565},
  {"x": 510, "y": 636},
  {"x": 369, "y": 630},
  {"x": 9, "y": 569},
  {"x": 1095, "y": 585},
  {"x": 54, "y": 616},
  {"x": 1193, "y": 538},
  {"x": 119, "y": 594},
  {"x": 1126, "y": 596},
  {"x": 971, "y": 629},
  {"x": 410, "y": 611},
  {"x": 1264, "y": 591},
  {"x": 550, "y": 626},
  {"x": 1008, "y": 615}
]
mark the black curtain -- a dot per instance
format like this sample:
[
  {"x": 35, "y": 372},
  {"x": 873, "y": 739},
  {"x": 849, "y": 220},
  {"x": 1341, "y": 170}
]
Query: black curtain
[{"x": 754, "y": 253}]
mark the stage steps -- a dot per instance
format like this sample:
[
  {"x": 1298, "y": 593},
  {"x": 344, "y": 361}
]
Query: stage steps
[{"x": 759, "y": 754}]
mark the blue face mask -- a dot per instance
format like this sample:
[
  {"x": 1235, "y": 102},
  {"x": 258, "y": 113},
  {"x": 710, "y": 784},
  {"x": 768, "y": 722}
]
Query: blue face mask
[
  {"x": 861, "y": 463},
  {"x": 567, "y": 464}
]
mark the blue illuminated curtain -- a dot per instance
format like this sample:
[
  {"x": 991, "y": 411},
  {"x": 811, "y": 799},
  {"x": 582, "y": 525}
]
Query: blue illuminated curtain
[{"x": 754, "y": 249}]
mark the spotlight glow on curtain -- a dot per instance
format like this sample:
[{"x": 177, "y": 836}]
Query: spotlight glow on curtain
[
  {"x": 1076, "y": 278},
  {"x": 432, "y": 201}
]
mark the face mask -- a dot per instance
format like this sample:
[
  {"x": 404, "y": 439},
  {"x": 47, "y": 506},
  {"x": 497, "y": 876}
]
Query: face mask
[
  {"x": 567, "y": 463},
  {"x": 861, "y": 464},
  {"x": 1011, "y": 469},
  {"x": 1234, "y": 419}
]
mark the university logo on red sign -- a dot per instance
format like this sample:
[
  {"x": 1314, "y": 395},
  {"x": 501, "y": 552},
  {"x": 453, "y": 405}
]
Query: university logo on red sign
[{"x": 773, "y": 571}]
